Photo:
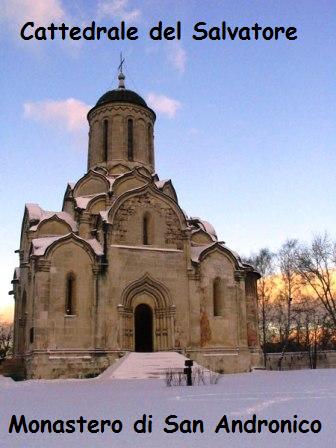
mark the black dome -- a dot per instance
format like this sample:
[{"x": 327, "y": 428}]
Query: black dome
[{"x": 123, "y": 96}]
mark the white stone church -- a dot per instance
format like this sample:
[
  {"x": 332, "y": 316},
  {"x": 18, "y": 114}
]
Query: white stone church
[{"x": 122, "y": 268}]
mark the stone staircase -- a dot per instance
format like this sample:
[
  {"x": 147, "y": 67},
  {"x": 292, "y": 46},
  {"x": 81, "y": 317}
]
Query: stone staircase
[{"x": 144, "y": 366}]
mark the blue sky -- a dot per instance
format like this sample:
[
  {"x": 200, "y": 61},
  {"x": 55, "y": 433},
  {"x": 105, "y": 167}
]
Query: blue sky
[{"x": 245, "y": 129}]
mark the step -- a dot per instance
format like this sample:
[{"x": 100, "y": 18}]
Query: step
[{"x": 145, "y": 365}]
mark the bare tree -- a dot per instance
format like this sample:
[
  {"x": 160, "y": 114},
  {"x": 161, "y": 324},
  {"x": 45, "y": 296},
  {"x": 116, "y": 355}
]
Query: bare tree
[
  {"x": 286, "y": 262},
  {"x": 6, "y": 340},
  {"x": 263, "y": 262},
  {"x": 316, "y": 266},
  {"x": 311, "y": 321}
]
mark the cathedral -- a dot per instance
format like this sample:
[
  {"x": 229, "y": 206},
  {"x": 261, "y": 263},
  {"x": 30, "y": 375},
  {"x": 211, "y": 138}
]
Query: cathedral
[{"x": 122, "y": 268}]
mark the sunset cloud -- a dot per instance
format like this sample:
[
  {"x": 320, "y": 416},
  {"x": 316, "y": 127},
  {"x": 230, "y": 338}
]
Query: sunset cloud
[
  {"x": 69, "y": 113},
  {"x": 39, "y": 11},
  {"x": 118, "y": 9},
  {"x": 163, "y": 104}
]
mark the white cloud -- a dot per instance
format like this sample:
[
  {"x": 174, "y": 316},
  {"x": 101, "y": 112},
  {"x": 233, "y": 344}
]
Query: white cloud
[
  {"x": 163, "y": 104},
  {"x": 177, "y": 57},
  {"x": 118, "y": 9},
  {"x": 39, "y": 11},
  {"x": 69, "y": 113}
]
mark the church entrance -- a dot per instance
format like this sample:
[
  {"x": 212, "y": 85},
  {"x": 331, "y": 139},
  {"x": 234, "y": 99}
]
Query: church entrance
[
  {"x": 143, "y": 328},
  {"x": 146, "y": 317}
]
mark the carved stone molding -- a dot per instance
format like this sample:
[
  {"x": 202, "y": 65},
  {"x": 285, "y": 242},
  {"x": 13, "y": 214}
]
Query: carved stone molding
[
  {"x": 43, "y": 265},
  {"x": 101, "y": 111}
]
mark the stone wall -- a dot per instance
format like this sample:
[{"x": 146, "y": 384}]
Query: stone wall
[{"x": 59, "y": 364}]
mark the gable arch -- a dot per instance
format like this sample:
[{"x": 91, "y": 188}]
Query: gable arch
[
  {"x": 92, "y": 183},
  {"x": 129, "y": 181},
  {"x": 155, "y": 192},
  {"x": 127, "y": 212},
  {"x": 53, "y": 226},
  {"x": 218, "y": 248},
  {"x": 97, "y": 204},
  {"x": 71, "y": 239}
]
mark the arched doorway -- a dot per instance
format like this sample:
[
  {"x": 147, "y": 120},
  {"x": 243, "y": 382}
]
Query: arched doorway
[
  {"x": 143, "y": 328},
  {"x": 160, "y": 316}
]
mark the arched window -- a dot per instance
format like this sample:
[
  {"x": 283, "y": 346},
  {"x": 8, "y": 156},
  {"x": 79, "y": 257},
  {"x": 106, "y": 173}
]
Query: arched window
[
  {"x": 217, "y": 297},
  {"x": 70, "y": 295},
  {"x": 130, "y": 139},
  {"x": 150, "y": 144},
  {"x": 22, "y": 324},
  {"x": 145, "y": 229},
  {"x": 105, "y": 139}
]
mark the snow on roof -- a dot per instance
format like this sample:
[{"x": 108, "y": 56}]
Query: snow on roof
[
  {"x": 111, "y": 180},
  {"x": 160, "y": 183},
  {"x": 96, "y": 246},
  {"x": 34, "y": 212},
  {"x": 194, "y": 230},
  {"x": 40, "y": 245},
  {"x": 82, "y": 201},
  {"x": 209, "y": 228},
  {"x": 204, "y": 225},
  {"x": 196, "y": 251},
  {"x": 16, "y": 275},
  {"x": 64, "y": 216},
  {"x": 104, "y": 215}
]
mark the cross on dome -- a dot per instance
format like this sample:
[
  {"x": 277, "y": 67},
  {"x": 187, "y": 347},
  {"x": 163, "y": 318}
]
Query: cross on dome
[{"x": 121, "y": 76}]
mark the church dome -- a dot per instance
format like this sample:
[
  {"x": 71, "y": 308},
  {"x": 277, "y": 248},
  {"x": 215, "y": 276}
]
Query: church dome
[{"x": 121, "y": 96}]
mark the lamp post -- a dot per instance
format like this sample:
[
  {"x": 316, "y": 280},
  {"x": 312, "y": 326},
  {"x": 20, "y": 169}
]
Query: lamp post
[{"x": 187, "y": 370}]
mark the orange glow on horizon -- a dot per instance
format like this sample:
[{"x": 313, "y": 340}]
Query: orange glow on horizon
[{"x": 7, "y": 313}]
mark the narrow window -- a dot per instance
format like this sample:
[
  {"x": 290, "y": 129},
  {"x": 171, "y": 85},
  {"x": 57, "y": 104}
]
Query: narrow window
[
  {"x": 31, "y": 335},
  {"x": 130, "y": 139},
  {"x": 24, "y": 304},
  {"x": 70, "y": 295},
  {"x": 145, "y": 230},
  {"x": 217, "y": 299},
  {"x": 150, "y": 144},
  {"x": 105, "y": 139}
]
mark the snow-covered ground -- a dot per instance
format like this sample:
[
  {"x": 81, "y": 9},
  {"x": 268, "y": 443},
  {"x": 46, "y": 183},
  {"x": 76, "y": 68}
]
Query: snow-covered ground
[{"x": 309, "y": 394}]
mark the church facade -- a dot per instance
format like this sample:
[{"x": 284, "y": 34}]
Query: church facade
[{"x": 122, "y": 267}]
